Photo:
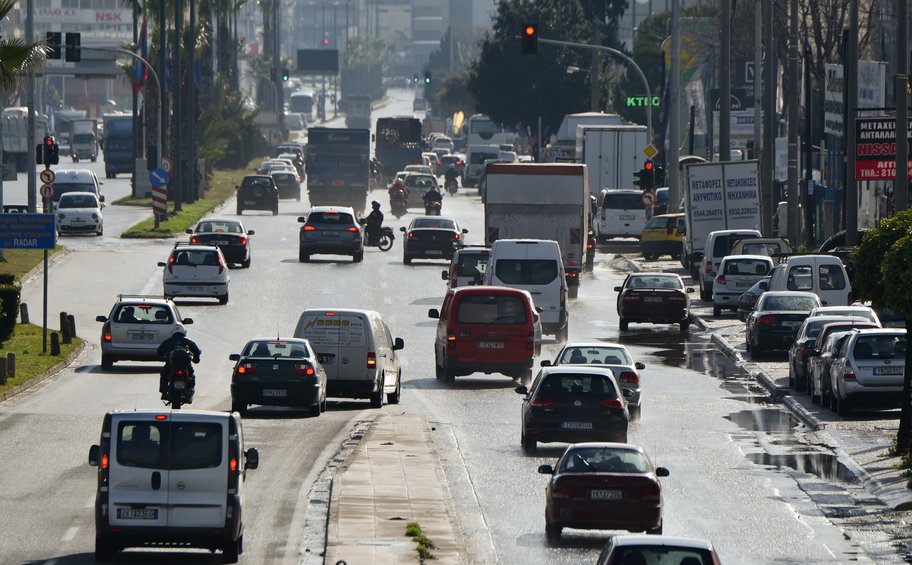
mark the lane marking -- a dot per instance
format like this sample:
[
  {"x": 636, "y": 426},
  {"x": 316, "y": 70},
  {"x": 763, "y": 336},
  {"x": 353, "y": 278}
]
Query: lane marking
[
  {"x": 70, "y": 534},
  {"x": 90, "y": 502}
]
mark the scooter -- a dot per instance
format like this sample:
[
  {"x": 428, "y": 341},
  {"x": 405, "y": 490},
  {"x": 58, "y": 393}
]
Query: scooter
[
  {"x": 384, "y": 240},
  {"x": 398, "y": 204},
  {"x": 432, "y": 208},
  {"x": 180, "y": 380},
  {"x": 451, "y": 186}
]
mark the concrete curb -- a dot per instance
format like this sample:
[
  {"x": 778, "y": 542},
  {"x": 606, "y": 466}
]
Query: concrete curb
[{"x": 18, "y": 389}]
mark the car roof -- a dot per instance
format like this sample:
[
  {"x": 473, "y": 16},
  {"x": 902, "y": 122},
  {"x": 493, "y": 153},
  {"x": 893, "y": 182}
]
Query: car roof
[
  {"x": 477, "y": 251},
  {"x": 850, "y": 308},
  {"x": 220, "y": 219},
  {"x": 880, "y": 331},
  {"x": 347, "y": 311},
  {"x": 273, "y": 338},
  {"x": 450, "y": 218},
  {"x": 183, "y": 414},
  {"x": 160, "y": 300},
  {"x": 621, "y": 191},
  {"x": 593, "y": 344},
  {"x": 657, "y": 273},
  {"x": 489, "y": 289},
  {"x": 69, "y": 195},
  {"x": 578, "y": 369},
  {"x": 62, "y": 175},
  {"x": 745, "y": 231},
  {"x": 613, "y": 444},
  {"x": 338, "y": 209},
  {"x": 673, "y": 215},
  {"x": 647, "y": 540},
  {"x": 800, "y": 293},
  {"x": 195, "y": 247},
  {"x": 765, "y": 258},
  {"x": 257, "y": 177}
]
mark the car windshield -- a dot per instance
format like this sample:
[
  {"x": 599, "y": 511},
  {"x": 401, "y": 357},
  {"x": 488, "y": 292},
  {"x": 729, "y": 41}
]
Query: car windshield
[
  {"x": 870, "y": 347},
  {"x": 572, "y": 383},
  {"x": 331, "y": 218},
  {"x": 798, "y": 303},
  {"x": 420, "y": 181},
  {"x": 526, "y": 271},
  {"x": 604, "y": 460},
  {"x": 276, "y": 348},
  {"x": 143, "y": 314},
  {"x": 78, "y": 201},
  {"x": 769, "y": 248},
  {"x": 662, "y": 554},
  {"x": 490, "y": 309},
  {"x": 434, "y": 223},
  {"x": 64, "y": 187},
  {"x": 84, "y": 138},
  {"x": 219, "y": 227},
  {"x": 594, "y": 356},
  {"x": 654, "y": 281},
  {"x": 747, "y": 267}
]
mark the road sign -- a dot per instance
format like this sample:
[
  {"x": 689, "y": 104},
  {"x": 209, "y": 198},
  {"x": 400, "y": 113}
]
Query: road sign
[
  {"x": 167, "y": 165},
  {"x": 650, "y": 151},
  {"x": 47, "y": 176},
  {"x": 27, "y": 231},
  {"x": 649, "y": 198},
  {"x": 159, "y": 199},
  {"x": 158, "y": 177},
  {"x": 47, "y": 191}
]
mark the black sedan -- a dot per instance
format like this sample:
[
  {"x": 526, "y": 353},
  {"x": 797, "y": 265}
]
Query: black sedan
[
  {"x": 572, "y": 404},
  {"x": 657, "y": 298},
  {"x": 228, "y": 234},
  {"x": 431, "y": 237},
  {"x": 775, "y": 320},
  {"x": 278, "y": 372},
  {"x": 748, "y": 299},
  {"x": 258, "y": 192}
]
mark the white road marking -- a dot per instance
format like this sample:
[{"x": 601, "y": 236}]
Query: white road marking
[
  {"x": 90, "y": 502},
  {"x": 70, "y": 534}
]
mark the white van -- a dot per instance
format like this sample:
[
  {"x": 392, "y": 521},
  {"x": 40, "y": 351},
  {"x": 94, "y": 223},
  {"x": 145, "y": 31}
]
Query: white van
[
  {"x": 824, "y": 275},
  {"x": 357, "y": 351},
  {"x": 718, "y": 245},
  {"x": 475, "y": 159},
  {"x": 171, "y": 477},
  {"x": 534, "y": 265},
  {"x": 75, "y": 180},
  {"x": 737, "y": 273},
  {"x": 621, "y": 213}
]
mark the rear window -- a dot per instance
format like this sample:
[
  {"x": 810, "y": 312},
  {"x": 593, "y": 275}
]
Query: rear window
[
  {"x": 831, "y": 277},
  {"x": 722, "y": 245},
  {"x": 143, "y": 314},
  {"x": 657, "y": 223},
  {"x": 276, "y": 349},
  {"x": 797, "y": 303},
  {"x": 605, "y": 460},
  {"x": 490, "y": 309},
  {"x": 478, "y": 157},
  {"x": 526, "y": 271},
  {"x": 870, "y": 347},
  {"x": 218, "y": 227},
  {"x": 622, "y": 201},
  {"x": 169, "y": 445},
  {"x": 569, "y": 383},
  {"x": 434, "y": 223},
  {"x": 662, "y": 554},
  {"x": 258, "y": 182},
  {"x": 84, "y": 138},
  {"x": 769, "y": 248},
  {"x": 420, "y": 181},
  {"x": 195, "y": 257},
  {"x": 654, "y": 281},
  {"x": 64, "y": 187},
  {"x": 747, "y": 267},
  {"x": 594, "y": 356},
  {"x": 470, "y": 264},
  {"x": 197, "y": 445},
  {"x": 331, "y": 218}
]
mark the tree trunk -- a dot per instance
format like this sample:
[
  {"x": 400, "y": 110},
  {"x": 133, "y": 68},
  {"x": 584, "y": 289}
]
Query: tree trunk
[{"x": 905, "y": 417}]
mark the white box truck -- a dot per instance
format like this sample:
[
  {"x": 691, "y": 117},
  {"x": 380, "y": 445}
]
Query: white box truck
[
  {"x": 718, "y": 196},
  {"x": 612, "y": 153},
  {"x": 541, "y": 201},
  {"x": 84, "y": 140}
]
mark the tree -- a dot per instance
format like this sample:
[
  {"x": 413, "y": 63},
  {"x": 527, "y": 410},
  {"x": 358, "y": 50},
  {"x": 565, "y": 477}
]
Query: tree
[
  {"x": 450, "y": 95},
  {"x": 882, "y": 275},
  {"x": 18, "y": 57}
]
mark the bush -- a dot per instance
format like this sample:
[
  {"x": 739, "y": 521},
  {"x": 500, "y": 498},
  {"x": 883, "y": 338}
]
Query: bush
[{"x": 9, "y": 305}]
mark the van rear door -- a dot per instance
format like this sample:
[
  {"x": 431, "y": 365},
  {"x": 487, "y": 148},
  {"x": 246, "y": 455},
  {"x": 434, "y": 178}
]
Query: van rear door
[
  {"x": 340, "y": 340},
  {"x": 198, "y": 481},
  {"x": 138, "y": 477},
  {"x": 532, "y": 266}
]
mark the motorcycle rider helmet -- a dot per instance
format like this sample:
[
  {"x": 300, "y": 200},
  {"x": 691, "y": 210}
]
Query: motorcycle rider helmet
[{"x": 375, "y": 205}]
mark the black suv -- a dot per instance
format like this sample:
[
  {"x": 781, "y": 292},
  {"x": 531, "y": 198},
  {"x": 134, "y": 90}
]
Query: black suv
[{"x": 258, "y": 192}]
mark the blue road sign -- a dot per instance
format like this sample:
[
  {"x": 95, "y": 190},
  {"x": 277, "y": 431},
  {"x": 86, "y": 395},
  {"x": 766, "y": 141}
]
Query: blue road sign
[
  {"x": 27, "y": 231},
  {"x": 158, "y": 177}
]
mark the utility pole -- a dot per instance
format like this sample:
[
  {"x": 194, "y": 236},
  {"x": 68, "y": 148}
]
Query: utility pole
[
  {"x": 191, "y": 184},
  {"x": 767, "y": 206},
  {"x": 137, "y": 136},
  {"x": 596, "y": 65},
  {"x": 794, "y": 218},
  {"x": 758, "y": 64},
  {"x": 672, "y": 166},
  {"x": 901, "y": 182},
  {"x": 851, "y": 89},
  {"x": 725, "y": 83},
  {"x": 30, "y": 102},
  {"x": 807, "y": 201},
  {"x": 179, "y": 159}
]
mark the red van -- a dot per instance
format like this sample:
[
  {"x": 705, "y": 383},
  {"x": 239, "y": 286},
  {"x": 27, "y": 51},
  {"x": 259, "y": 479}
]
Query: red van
[{"x": 486, "y": 329}]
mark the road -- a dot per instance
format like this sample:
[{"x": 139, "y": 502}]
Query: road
[{"x": 712, "y": 426}]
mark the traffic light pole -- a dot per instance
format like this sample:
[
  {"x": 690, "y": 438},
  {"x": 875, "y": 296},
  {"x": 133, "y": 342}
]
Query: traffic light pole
[{"x": 621, "y": 55}]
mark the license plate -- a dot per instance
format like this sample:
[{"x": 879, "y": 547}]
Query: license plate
[
  {"x": 220, "y": 242},
  {"x": 653, "y": 299},
  {"x": 250, "y": 202},
  {"x": 137, "y": 513},
  {"x": 330, "y": 234},
  {"x": 888, "y": 370},
  {"x": 490, "y": 345},
  {"x": 790, "y": 323},
  {"x": 628, "y": 217},
  {"x": 576, "y": 425},
  {"x": 743, "y": 285},
  {"x": 180, "y": 385},
  {"x": 435, "y": 251},
  {"x": 602, "y": 494},
  {"x": 275, "y": 392},
  {"x": 338, "y": 183},
  {"x": 142, "y": 337}
]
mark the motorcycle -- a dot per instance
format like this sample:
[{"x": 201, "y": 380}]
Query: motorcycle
[
  {"x": 451, "y": 186},
  {"x": 398, "y": 203},
  {"x": 384, "y": 241},
  {"x": 432, "y": 208},
  {"x": 180, "y": 379}
]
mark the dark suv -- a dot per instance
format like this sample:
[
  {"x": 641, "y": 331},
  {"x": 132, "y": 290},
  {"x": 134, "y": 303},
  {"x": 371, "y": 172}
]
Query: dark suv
[
  {"x": 258, "y": 192},
  {"x": 331, "y": 230}
]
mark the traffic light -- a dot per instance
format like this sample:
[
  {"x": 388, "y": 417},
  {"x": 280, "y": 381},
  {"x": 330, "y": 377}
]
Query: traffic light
[
  {"x": 645, "y": 177},
  {"x": 415, "y": 78},
  {"x": 659, "y": 176},
  {"x": 286, "y": 74},
  {"x": 529, "y": 38},
  {"x": 272, "y": 74},
  {"x": 53, "y": 41},
  {"x": 73, "y": 50},
  {"x": 47, "y": 153},
  {"x": 325, "y": 41},
  {"x": 427, "y": 77}
]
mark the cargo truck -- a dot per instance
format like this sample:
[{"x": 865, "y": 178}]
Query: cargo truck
[
  {"x": 118, "y": 144},
  {"x": 84, "y": 140},
  {"x": 358, "y": 111},
  {"x": 16, "y": 148},
  {"x": 612, "y": 154},
  {"x": 541, "y": 201}
]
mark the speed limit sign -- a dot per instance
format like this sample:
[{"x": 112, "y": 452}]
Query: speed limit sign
[{"x": 648, "y": 198}]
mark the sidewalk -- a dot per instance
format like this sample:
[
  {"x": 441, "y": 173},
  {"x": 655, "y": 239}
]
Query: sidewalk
[{"x": 392, "y": 478}]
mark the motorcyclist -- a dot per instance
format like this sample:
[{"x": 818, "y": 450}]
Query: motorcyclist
[
  {"x": 373, "y": 222},
  {"x": 451, "y": 175},
  {"x": 376, "y": 168},
  {"x": 432, "y": 195},
  {"x": 397, "y": 187},
  {"x": 177, "y": 340}
]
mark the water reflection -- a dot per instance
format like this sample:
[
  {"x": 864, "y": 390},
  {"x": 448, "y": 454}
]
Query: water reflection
[
  {"x": 764, "y": 420},
  {"x": 822, "y": 465}
]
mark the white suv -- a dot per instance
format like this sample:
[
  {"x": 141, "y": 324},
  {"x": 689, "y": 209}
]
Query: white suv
[
  {"x": 135, "y": 328},
  {"x": 196, "y": 270}
]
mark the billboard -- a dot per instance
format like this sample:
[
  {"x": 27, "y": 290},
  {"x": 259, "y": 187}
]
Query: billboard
[
  {"x": 318, "y": 61},
  {"x": 875, "y": 148},
  {"x": 872, "y": 76}
]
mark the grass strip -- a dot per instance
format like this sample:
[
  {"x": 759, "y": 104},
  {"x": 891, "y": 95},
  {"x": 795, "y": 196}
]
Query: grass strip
[
  {"x": 425, "y": 545},
  {"x": 19, "y": 262},
  {"x": 30, "y": 361}
]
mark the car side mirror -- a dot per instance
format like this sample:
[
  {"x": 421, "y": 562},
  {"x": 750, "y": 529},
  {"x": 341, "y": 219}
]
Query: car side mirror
[
  {"x": 101, "y": 319},
  {"x": 250, "y": 232},
  {"x": 101, "y": 205},
  {"x": 434, "y": 313},
  {"x": 162, "y": 264},
  {"x": 402, "y": 230},
  {"x": 189, "y": 230},
  {"x": 235, "y": 357},
  {"x": 398, "y": 344},
  {"x": 546, "y": 469},
  {"x": 252, "y": 457},
  {"x": 689, "y": 289},
  {"x": 546, "y": 363},
  {"x": 101, "y": 198},
  {"x": 445, "y": 275},
  {"x": 522, "y": 390},
  {"x": 237, "y": 187},
  {"x": 662, "y": 472},
  {"x": 465, "y": 230},
  {"x": 639, "y": 366},
  {"x": 94, "y": 455},
  {"x": 187, "y": 321},
  {"x": 301, "y": 219},
  {"x": 539, "y": 309},
  {"x": 617, "y": 289}
]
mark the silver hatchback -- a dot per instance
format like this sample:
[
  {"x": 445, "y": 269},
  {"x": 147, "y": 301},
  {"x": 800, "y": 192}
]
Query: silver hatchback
[
  {"x": 869, "y": 367},
  {"x": 135, "y": 328}
]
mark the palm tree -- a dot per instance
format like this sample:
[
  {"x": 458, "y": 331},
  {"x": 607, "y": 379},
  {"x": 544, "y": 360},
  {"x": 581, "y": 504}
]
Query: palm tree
[{"x": 17, "y": 56}]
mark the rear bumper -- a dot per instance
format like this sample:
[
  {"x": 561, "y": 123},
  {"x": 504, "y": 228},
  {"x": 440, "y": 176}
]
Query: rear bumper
[
  {"x": 126, "y": 354},
  {"x": 350, "y": 388},
  {"x": 509, "y": 368},
  {"x": 331, "y": 247},
  {"x": 589, "y": 515},
  {"x": 195, "y": 289},
  {"x": 655, "y": 315},
  {"x": 660, "y": 247},
  {"x": 430, "y": 250},
  {"x": 546, "y": 431},
  {"x": 296, "y": 394}
]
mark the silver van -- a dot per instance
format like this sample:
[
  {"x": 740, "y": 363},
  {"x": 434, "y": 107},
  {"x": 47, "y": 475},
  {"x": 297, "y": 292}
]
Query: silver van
[
  {"x": 475, "y": 159},
  {"x": 75, "y": 180},
  {"x": 621, "y": 213},
  {"x": 358, "y": 352},
  {"x": 168, "y": 477},
  {"x": 824, "y": 275}
]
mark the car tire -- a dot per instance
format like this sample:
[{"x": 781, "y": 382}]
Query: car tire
[
  {"x": 552, "y": 531},
  {"x": 717, "y": 311},
  {"x": 376, "y": 398},
  {"x": 843, "y": 406},
  {"x": 314, "y": 410},
  {"x": 438, "y": 368},
  {"x": 406, "y": 260},
  {"x": 275, "y": 209},
  {"x": 826, "y": 399},
  {"x": 704, "y": 295},
  {"x": 107, "y": 363},
  {"x": 358, "y": 257},
  {"x": 449, "y": 375},
  {"x": 393, "y": 397},
  {"x": 223, "y": 299},
  {"x": 104, "y": 550},
  {"x": 100, "y": 232},
  {"x": 572, "y": 291},
  {"x": 634, "y": 412},
  {"x": 676, "y": 255},
  {"x": 684, "y": 327},
  {"x": 232, "y": 550},
  {"x": 303, "y": 257},
  {"x": 623, "y": 325},
  {"x": 563, "y": 334},
  {"x": 657, "y": 531},
  {"x": 323, "y": 404},
  {"x": 239, "y": 407},
  {"x": 246, "y": 264},
  {"x": 529, "y": 445},
  {"x": 240, "y": 211}
]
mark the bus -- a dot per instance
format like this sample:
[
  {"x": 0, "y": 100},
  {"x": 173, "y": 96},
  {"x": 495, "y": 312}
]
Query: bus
[
  {"x": 480, "y": 130},
  {"x": 338, "y": 166},
  {"x": 398, "y": 143},
  {"x": 302, "y": 102}
]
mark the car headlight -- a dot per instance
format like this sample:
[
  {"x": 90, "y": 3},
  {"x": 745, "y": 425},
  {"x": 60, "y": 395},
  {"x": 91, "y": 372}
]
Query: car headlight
[{"x": 60, "y": 216}]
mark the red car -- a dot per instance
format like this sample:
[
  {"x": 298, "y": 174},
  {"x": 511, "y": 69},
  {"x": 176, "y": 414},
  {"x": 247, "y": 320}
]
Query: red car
[
  {"x": 603, "y": 486},
  {"x": 656, "y": 298}
]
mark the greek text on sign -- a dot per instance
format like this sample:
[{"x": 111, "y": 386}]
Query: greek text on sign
[
  {"x": 335, "y": 331},
  {"x": 875, "y": 148},
  {"x": 28, "y": 231}
]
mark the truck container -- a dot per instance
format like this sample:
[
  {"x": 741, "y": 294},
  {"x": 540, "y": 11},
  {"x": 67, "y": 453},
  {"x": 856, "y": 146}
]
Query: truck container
[
  {"x": 118, "y": 144},
  {"x": 358, "y": 111},
  {"x": 541, "y": 201},
  {"x": 84, "y": 140},
  {"x": 718, "y": 196},
  {"x": 563, "y": 148},
  {"x": 16, "y": 148},
  {"x": 612, "y": 154}
]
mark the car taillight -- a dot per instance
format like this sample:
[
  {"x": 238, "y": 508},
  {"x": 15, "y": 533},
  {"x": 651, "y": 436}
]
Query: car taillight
[
  {"x": 105, "y": 462},
  {"x": 234, "y": 470},
  {"x": 194, "y": 239},
  {"x": 562, "y": 490},
  {"x": 351, "y": 229},
  {"x": 221, "y": 265},
  {"x": 309, "y": 228},
  {"x": 720, "y": 279},
  {"x": 611, "y": 404},
  {"x": 543, "y": 401},
  {"x": 629, "y": 377},
  {"x": 371, "y": 360},
  {"x": 411, "y": 234},
  {"x": 766, "y": 320},
  {"x": 652, "y": 493},
  {"x": 171, "y": 264},
  {"x": 242, "y": 241},
  {"x": 709, "y": 266},
  {"x": 304, "y": 369},
  {"x": 106, "y": 332},
  {"x": 246, "y": 368},
  {"x": 179, "y": 373},
  {"x": 848, "y": 375},
  {"x": 456, "y": 236}
]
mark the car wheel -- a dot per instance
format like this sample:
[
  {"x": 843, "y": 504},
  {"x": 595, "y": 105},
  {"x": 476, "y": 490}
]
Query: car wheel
[
  {"x": 826, "y": 399},
  {"x": 676, "y": 255},
  {"x": 449, "y": 375},
  {"x": 275, "y": 210},
  {"x": 303, "y": 257},
  {"x": 104, "y": 550},
  {"x": 716, "y": 311},
  {"x": 106, "y": 362},
  {"x": 323, "y": 404},
  {"x": 406, "y": 259},
  {"x": 563, "y": 333},
  {"x": 376, "y": 398},
  {"x": 843, "y": 406},
  {"x": 358, "y": 257},
  {"x": 246, "y": 263},
  {"x": 623, "y": 324},
  {"x": 223, "y": 299},
  {"x": 704, "y": 295},
  {"x": 240, "y": 211},
  {"x": 393, "y": 397},
  {"x": 634, "y": 412},
  {"x": 239, "y": 407},
  {"x": 657, "y": 531},
  {"x": 231, "y": 551},
  {"x": 438, "y": 368},
  {"x": 552, "y": 531},
  {"x": 100, "y": 232},
  {"x": 528, "y": 444},
  {"x": 684, "y": 326},
  {"x": 315, "y": 409}
]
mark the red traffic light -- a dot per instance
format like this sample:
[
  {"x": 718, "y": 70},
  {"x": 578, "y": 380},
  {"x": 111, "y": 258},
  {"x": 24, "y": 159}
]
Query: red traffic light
[
  {"x": 530, "y": 30},
  {"x": 325, "y": 42},
  {"x": 647, "y": 165},
  {"x": 49, "y": 141}
]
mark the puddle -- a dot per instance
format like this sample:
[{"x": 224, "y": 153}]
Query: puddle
[
  {"x": 765, "y": 420},
  {"x": 822, "y": 465}
]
